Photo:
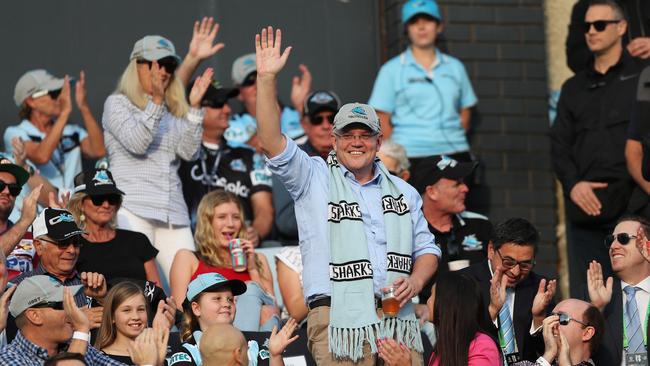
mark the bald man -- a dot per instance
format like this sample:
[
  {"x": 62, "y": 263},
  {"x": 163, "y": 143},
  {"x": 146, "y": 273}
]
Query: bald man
[{"x": 223, "y": 344}]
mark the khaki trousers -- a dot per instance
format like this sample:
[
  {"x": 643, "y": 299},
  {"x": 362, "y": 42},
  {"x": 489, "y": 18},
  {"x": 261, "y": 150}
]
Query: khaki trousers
[{"x": 318, "y": 320}]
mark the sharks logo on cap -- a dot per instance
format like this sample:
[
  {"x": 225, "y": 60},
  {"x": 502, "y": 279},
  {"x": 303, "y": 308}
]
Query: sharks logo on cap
[
  {"x": 63, "y": 217},
  {"x": 359, "y": 110},
  {"x": 164, "y": 44},
  {"x": 446, "y": 161},
  {"x": 321, "y": 98},
  {"x": 101, "y": 177},
  {"x": 249, "y": 61}
]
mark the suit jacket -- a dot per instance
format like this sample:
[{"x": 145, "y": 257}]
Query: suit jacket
[
  {"x": 611, "y": 349},
  {"x": 530, "y": 347}
]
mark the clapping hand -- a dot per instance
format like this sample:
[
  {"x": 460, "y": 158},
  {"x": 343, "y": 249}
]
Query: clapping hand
[
  {"x": 80, "y": 93},
  {"x": 300, "y": 87},
  {"x": 144, "y": 350},
  {"x": 497, "y": 292},
  {"x": 201, "y": 84},
  {"x": 279, "y": 341},
  {"x": 4, "y": 306},
  {"x": 77, "y": 317},
  {"x": 600, "y": 292},
  {"x": 543, "y": 297},
  {"x": 268, "y": 56},
  {"x": 394, "y": 354}
]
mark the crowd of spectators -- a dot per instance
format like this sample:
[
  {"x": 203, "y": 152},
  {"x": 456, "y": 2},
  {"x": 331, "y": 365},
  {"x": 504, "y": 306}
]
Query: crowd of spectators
[{"x": 379, "y": 257}]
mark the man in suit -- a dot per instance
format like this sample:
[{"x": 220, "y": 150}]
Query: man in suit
[
  {"x": 519, "y": 298},
  {"x": 627, "y": 293}
]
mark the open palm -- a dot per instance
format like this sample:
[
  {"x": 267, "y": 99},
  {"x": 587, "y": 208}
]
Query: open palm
[
  {"x": 202, "y": 44},
  {"x": 269, "y": 59}
]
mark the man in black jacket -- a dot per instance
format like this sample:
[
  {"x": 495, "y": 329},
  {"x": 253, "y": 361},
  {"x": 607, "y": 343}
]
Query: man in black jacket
[
  {"x": 588, "y": 139},
  {"x": 519, "y": 298},
  {"x": 627, "y": 293}
]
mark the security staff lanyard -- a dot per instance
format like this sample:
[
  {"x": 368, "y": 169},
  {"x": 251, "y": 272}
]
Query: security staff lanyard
[
  {"x": 208, "y": 178},
  {"x": 644, "y": 326}
]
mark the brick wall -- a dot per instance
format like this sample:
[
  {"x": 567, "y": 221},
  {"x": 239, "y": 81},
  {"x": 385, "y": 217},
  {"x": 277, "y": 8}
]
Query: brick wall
[{"x": 501, "y": 43}]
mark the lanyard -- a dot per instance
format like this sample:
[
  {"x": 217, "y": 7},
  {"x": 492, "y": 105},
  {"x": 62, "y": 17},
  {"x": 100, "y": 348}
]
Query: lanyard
[
  {"x": 644, "y": 326},
  {"x": 207, "y": 177}
]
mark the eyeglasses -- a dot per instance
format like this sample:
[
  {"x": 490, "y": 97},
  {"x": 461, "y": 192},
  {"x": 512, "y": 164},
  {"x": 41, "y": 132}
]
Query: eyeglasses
[
  {"x": 351, "y": 136},
  {"x": 317, "y": 120},
  {"x": 509, "y": 263},
  {"x": 623, "y": 238},
  {"x": 566, "y": 318},
  {"x": 113, "y": 199},
  {"x": 251, "y": 79},
  {"x": 14, "y": 188},
  {"x": 52, "y": 305},
  {"x": 168, "y": 63},
  {"x": 599, "y": 25},
  {"x": 54, "y": 94},
  {"x": 65, "y": 244}
]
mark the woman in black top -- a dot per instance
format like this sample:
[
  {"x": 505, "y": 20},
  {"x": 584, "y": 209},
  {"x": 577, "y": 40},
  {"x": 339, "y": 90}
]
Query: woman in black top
[{"x": 107, "y": 250}]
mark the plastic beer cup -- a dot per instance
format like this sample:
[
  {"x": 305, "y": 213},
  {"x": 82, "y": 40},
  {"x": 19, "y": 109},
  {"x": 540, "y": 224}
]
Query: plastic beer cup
[{"x": 389, "y": 304}]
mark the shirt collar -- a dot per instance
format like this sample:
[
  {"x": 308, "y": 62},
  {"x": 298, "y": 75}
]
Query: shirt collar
[
  {"x": 30, "y": 128},
  {"x": 41, "y": 270},
  {"x": 441, "y": 58},
  {"x": 27, "y": 348},
  {"x": 625, "y": 59},
  {"x": 643, "y": 285},
  {"x": 376, "y": 178}
]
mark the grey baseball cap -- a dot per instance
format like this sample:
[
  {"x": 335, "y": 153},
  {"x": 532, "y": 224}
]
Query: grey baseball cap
[
  {"x": 357, "y": 113},
  {"x": 152, "y": 48},
  {"x": 33, "y": 82},
  {"x": 38, "y": 290},
  {"x": 242, "y": 67}
]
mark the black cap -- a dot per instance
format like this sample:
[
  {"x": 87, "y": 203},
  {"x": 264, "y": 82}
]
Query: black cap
[
  {"x": 96, "y": 182},
  {"x": 18, "y": 172},
  {"x": 433, "y": 168},
  {"x": 321, "y": 100},
  {"x": 55, "y": 223},
  {"x": 216, "y": 95}
]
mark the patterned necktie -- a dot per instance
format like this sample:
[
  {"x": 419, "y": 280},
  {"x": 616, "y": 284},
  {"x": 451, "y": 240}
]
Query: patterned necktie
[
  {"x": 506, "y": 328},
  {"x": 632, "y": 322}
]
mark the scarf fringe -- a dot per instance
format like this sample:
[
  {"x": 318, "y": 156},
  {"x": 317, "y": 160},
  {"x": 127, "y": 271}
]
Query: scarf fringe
[{"x": 348, "y": 342}]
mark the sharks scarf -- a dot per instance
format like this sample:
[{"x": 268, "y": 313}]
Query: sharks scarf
[{"x": 353, "y": 318}]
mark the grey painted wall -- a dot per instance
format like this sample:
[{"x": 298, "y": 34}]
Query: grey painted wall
[{"x": 337, "y": 39}]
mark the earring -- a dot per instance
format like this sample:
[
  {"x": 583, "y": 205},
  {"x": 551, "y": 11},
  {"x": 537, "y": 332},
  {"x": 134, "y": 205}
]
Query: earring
[{"x": 82, "y": 217}]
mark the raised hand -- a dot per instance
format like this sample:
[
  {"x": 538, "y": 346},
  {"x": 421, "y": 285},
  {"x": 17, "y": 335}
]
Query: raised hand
[
  {"x": 497, "y": 292},
  {"x": 600, "y": 291},
  {"x": 279, "y": 341},
  {"x": 300, "y": 88},
  {"x": 203, "y": 36},
  {"x": 144, "y": 350},
  {"x": 642, "y": 243},
  {"x": 64, "y": 98},
  {"x": 94, "y": 284},
  {"x": 268, "y": 56},
  {"x": 393, "y": 353},
  {"x": 543, "y": 297},
  {"x": 582, "y": 194},
  {"x": 4, "y": 306},
  {"x": 80, "y": 91},
  {"x": 165, "y": 314},
  {"x": 55, "y": 202},
  {"x": 157, "y": 84},
  {"x": 28, "y": 212},
  {"x": 161, "y": 337},
  {"x": 78, "y": 318},
  {"x": 19, "y": 152},
  {"x": 200, "y": 86}
]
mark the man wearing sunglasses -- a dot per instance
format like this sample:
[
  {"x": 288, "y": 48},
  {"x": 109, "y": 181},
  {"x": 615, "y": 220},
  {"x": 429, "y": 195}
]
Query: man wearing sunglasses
[
  {"x": 51, "y": 143},
  {"x": 317, "y": 121},
  {"x": 222, "y": 166},
  {"x": 242, "y": 130},
  {"x": 49, "y": 322},
  {"x": 519, "y": 299},
  {"x": 57, "y": 239},
  {"x": 588, "y": 139},
  {"x": 625, "y": 299}
]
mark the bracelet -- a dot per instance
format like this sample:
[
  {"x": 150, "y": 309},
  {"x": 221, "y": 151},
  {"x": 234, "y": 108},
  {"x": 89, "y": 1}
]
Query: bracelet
[{"x": 81, "y": 336}]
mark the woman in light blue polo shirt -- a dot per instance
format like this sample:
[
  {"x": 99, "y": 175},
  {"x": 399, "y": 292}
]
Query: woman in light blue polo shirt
[{"x": 423, "y": 96}]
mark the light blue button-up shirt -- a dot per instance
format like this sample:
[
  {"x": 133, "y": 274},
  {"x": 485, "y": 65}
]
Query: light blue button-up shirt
[
  {"x": 307, "y": 180},
  {"x": 424, "y": 104}
]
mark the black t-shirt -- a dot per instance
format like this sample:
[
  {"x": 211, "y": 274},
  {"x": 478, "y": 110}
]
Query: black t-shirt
[
  {"x": 123, "y": 359},
  {"x": 124, "y": 256},
  {"x": 468, "y": 239},
  {"x": 237, "y": 170}
]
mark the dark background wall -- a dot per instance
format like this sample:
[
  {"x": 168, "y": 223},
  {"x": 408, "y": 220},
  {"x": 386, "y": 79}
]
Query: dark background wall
[{"x": 501, "y": 43}]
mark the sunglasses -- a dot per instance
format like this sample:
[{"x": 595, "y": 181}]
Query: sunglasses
[
  {"x": 566, "y": 318},
  {"x": 509, "y": 263},
  {"x": 213, "y": 104},
  {"x": 250, "y": 79},
  {"x": 599, "y": 25},
  {"x": 168, "y": 63},
  {"x": 65, "y": 244},
  {"x": 317, "y": 120},
  {"x": 623, "y": 238},
  {"x": 54, "y": 94},
  {"x": 52, "y": 305},
  {"x": 14, "y": 188},
  {"x": 113, "y": 199}
]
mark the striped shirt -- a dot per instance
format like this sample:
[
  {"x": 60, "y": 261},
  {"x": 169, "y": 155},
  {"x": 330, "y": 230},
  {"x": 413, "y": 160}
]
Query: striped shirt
[
  {"x": 144, "y": 151},
  {"x": 80, "y": 298}
]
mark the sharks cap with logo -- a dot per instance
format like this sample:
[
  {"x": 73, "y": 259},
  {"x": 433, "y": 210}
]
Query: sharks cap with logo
[
  {"x": 55, "y": 223},
  {"x": 359, "y": 113},
  {"x": 35, "y": 81},
  {"x": 242, "y": 67},
  {"x": 36, "y": 290},
  {"x": 436, "y": 167},
  {"x": 153, "y": 48},
  {"x": 414, "y": 7},
  {"x": 96, "y": 182},
  {"x": 321, "y": 100},
  {"x": 207, "y": 282}
]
